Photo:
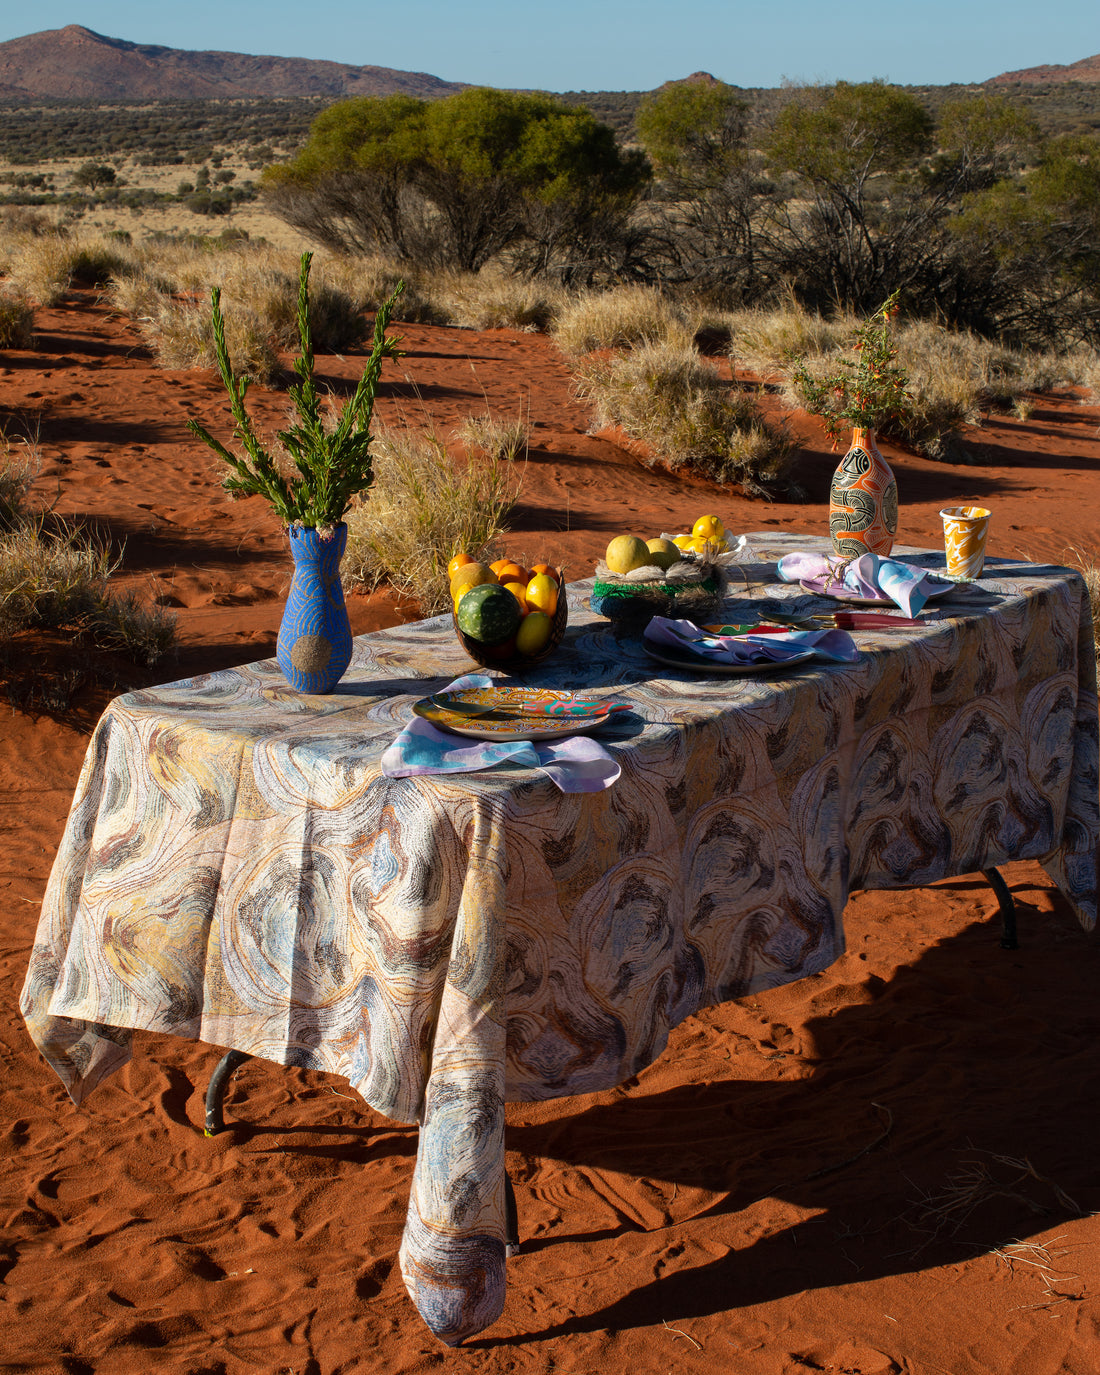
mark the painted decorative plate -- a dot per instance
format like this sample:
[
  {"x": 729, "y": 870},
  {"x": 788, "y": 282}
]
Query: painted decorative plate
[{"x": 517, "y": 713}]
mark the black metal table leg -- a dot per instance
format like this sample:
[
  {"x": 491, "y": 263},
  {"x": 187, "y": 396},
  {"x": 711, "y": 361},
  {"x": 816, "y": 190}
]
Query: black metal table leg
[
  {"x": 511, "y": 1219},
  {"x": 215, "y": 1094},
  {"x": 1007, "y": 906}
]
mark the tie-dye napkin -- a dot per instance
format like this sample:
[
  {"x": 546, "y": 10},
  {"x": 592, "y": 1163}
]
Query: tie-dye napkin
[
  {"x": 868, "y": 576},
  {"x": 687, "y": 637},
  {"x": 576, "y": 764}
]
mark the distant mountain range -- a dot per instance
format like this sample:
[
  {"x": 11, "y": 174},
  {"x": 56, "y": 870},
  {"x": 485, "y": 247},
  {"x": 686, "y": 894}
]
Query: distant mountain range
[
  {"x": 74, "y": 63},
  {"x": 1088, "y": 69}
]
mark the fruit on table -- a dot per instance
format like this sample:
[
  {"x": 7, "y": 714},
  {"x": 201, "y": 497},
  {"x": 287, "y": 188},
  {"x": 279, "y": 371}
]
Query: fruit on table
[
  {"x": 488, "y": 613},
  {"x": 519, "y": 591},
  {"x": 459, "y": 560},
  {"x": 471, "y": 575},
  {"x": 625, "y": 553},
  {"x": 533, "y": 633},
  {"x": 709, "y": 527},
  {"x": 542, "y": 593},
  {"x": 662, "y": 552}
]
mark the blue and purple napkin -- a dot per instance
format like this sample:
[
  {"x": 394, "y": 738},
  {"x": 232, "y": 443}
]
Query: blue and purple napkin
[
  {"x": 869, "y": 577},
  {"x": 686, "y": 637}
]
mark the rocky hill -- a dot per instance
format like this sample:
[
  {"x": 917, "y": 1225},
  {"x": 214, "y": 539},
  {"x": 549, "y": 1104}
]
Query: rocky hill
[
  {"x": 74, "y": 63},
  {"x": 1088, "y": 69}
]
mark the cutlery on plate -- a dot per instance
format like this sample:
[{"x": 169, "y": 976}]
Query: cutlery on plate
[{"x": 532, "y": 710}]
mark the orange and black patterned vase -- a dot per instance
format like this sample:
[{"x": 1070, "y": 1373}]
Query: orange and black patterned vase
[{"x": 863, "y": 500}]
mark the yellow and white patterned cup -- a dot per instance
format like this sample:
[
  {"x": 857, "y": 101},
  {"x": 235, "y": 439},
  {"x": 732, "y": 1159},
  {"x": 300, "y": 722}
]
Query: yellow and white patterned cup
[{"x": 964, "y": 533}]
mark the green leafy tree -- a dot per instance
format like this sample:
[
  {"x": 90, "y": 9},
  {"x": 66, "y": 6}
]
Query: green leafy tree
[
  {"x": 712, "y": 182},
  {"x": 92, "y": 175},
  {"x": 874, "y": 186},
  {"x": 1035, "y": 241},
  {"x": 454, "y": 182}
]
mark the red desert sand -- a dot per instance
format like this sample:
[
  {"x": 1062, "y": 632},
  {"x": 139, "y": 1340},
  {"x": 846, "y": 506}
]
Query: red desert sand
[{"x": 890, "y": 1167}]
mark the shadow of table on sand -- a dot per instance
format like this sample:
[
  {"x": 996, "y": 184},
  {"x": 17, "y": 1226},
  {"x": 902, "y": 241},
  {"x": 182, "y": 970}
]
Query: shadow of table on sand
[{"x": 947, "y": 1110}]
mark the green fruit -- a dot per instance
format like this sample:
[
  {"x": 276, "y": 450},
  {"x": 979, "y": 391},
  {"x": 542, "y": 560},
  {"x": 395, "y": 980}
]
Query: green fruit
[
  {"x": 662, "y": 552},
  {"x": 488, "y": 613}
]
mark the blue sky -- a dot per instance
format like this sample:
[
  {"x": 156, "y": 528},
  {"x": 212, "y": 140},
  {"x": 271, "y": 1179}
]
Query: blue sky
[{"x": 561, "y": 45}]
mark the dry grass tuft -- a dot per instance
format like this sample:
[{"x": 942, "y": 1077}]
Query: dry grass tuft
[
  {"x": 485, "y": 300},
  {"x": 57, "y": 579},
  {"x": 16, "y": 319},
  {"x": 496, "y": 438},
  {"x": 626, "y": 317},
  {"x": 423, "y": 508},
  {"x": 1089, "y": 565},
  {"x": 765, "y": 341},
  {"x": 665, "y": 395},
  {"x": 45, "y": 265}
]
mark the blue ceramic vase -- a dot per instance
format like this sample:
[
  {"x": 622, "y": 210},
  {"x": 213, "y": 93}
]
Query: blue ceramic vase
[{"x": 315, "y": 637}]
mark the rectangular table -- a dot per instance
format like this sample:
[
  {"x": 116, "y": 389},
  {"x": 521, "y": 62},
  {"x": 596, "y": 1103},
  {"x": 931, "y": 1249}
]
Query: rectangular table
[{"x": 236, "y": 869}]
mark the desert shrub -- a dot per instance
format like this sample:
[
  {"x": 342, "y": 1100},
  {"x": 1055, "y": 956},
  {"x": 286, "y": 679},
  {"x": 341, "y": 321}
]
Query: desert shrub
[
  {"x": 423, "y": 508},
  {"x": 181, "y": 336},
  {"x": 953, "y": 375},
  {"x": 622, "y": 318},
  {"x": 454, "y": 183},
  {"x": 139, "y": 294},
  {"x": 764, "y": 340},
  {"x": 666, "y": 396},
  {"x": 488, "y": 300},
  {"x": 500, "y": 439},
  {"x": 16, "y": 319},
  {"x": 45, "y": 265},
  {"x": 58, "y": 580},
  {"x": 16, "y": 476}
]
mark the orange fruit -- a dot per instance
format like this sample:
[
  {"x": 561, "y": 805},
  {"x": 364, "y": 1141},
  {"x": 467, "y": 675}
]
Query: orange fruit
[
  {"x": 542, "y": 593},
  {"x": 511, "y": 572},
  {"x": 519, "y": 591},
  {"x": 459, "y": 561},
  {"x": 546, "y": 570},
  {"x": 498, "y": 564}
]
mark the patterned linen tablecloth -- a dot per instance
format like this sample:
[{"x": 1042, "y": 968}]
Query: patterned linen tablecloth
[{"x": 236, "y": 869}]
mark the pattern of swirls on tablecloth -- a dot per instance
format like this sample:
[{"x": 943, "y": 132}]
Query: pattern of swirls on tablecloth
[{"x": 235, "y": 868}]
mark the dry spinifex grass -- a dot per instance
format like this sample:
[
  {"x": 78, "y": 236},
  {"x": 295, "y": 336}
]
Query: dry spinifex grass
[
  {"x": 665, "y": 395},
  {"x": 423, "y": 508}
]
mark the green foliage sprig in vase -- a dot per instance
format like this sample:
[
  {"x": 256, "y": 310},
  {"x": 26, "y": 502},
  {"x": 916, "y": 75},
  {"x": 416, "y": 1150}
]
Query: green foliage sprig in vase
[
  {"x": 332, "y": 461},
  {"x": 331, "y": 466},
  {"x": 872, "y": 393}
]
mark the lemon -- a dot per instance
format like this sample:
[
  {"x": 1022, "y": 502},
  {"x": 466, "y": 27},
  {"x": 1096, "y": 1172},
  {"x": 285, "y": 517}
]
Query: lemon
[
  {"x": 709, "y": 527},
  {"x": 534, "y": 632},
  {"x": 542, "y": 593},
  {"x": 625, "y": 553},
  {"x": 682, "y": 541}
]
